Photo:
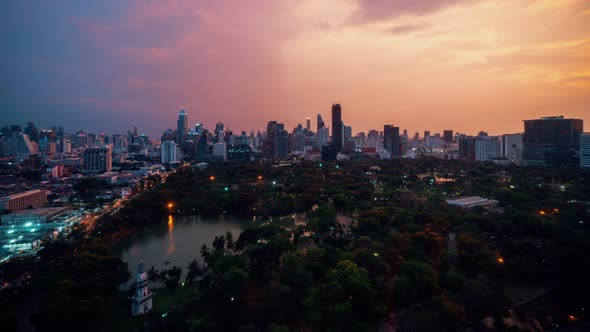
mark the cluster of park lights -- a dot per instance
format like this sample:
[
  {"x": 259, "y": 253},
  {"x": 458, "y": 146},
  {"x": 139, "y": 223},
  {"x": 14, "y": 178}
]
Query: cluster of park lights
[{"x": 544, "y": 213}]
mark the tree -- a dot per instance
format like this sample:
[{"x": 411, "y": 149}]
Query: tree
[
  {"x": 416, "y": 282},
  {"x": 219, "y": 243},
  {"x": 229, "y": 240},
  {"x": 173, "y": 277},
  {"x": 193, "y": 271}
]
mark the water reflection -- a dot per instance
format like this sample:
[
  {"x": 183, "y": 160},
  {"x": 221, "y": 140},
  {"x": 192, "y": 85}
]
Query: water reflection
[
  {"x": 178, "y": 241},
  {"x": 171, "y": 234}
]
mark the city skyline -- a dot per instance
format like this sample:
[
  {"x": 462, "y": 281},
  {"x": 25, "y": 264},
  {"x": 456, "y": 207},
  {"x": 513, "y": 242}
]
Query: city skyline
[
  {"x": 106, "y": 67},
  {"x": 212, "y": 128}
]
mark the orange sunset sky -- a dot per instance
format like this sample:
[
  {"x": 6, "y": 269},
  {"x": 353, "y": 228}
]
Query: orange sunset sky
[{"x": 422, "y": 65}]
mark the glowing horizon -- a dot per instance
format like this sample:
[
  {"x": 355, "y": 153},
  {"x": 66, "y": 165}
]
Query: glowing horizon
[{"x": 420, "y": 65}]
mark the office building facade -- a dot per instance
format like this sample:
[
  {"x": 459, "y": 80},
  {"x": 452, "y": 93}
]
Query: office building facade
[
  {"x": 337, "y": 135},
  {"x": 391, "y": 141},
  {"x": 98, "y": 159},
  {"x": 552, "y": 141},
  {"x": 585, "y": 150}
]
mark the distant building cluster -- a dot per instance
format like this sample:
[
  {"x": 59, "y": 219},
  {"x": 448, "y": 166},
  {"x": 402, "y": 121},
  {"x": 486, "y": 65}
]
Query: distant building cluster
[{"x": 548, "y": 141}]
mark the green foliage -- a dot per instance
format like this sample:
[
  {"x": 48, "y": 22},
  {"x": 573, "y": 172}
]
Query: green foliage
[{"x": 416, "y": 282}]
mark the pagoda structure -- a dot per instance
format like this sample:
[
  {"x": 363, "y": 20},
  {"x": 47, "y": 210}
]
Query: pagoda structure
[{"x": 141, "y": 302}]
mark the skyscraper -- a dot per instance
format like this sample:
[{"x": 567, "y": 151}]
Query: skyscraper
[
  {"x": 182, "y": 126},
  {"x": 32, "y": 132},
  {"x": 585, "y": 150},
  {"x": 169, "y": 152},
  {"x": 219, "y": 134},
  {"x": 269, "y": 145},
  {"x": 282, "y": 142},
  {"x": 391, "y": 140},
  {"x": 337, "y": 127},
  {"x": 320, "y": 123},
  {"x": 347, "y": 132},
  {"x": 98, "y": 159},
  {"x": 308, "y": 126},
  {"x": 512, "y": 146},
  {"x": 323, "y": 134},
  {"x": 448, "y": 136},
  {"x": 487, "y": 148},
  {"x": 552, "y": 141}
]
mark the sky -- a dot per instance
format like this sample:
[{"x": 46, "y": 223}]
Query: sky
[{"x": 466, "y": 65}]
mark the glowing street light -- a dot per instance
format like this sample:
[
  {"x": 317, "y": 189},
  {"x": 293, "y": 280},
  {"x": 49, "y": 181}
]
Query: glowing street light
[
  {"x": 170, "y": 205},
  {"x": 212, "y": 178}
]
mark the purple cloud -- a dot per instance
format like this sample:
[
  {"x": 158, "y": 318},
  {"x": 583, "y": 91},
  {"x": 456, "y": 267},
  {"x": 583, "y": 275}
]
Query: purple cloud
[
  {"x": 378, "y": 10},
  {"x": 403, "y": 29}
]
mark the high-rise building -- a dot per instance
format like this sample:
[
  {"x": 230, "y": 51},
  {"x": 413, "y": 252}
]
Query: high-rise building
[
  {"x": 32, "y": 132},
  {"x": 82, "y": 139},
  {"x": 182, "y": 126},
  {"x": 98, "y": 159},
  {"x": 20, "y": 145},
  {"x": 308, "y": 126},
  {"x": 65, "y": 146},
  {"x": 346, "y": 133},
  {"x": 373, "y": 138},
  {"x": 203, "y": 145},
  {"x": 426, "y": 135},
  {"x": 391, "y": 140},
  {"x": 269, "y": 144},
  {"x": 323, "y": 135},
  {"x": 448, "y": 136},
  {"x": 585, "y": 150},
  {"x": 487, "y": 148},
  {"x": 337, "y": 127},
  {"x": 220, "y": 151},
  {"x": 219, "y": 133},
  {"x": 467, "y": 148},
  {"x": 320, "y": 123},
  {"x": 512, "y": 146},
  {"x": 170, "y": 152},
  {"x": 552, "y": 141},
  {"x": 282, "y": 143}
]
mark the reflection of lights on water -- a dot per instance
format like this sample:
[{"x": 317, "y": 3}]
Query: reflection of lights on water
[
  {"x": 170, "y": 223},
  {"x": 171, "y": 234}
]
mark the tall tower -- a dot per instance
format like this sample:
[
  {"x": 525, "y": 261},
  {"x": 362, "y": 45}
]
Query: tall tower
[
  {"x": 585, "y": 150},
  {"x": 182, "y": 128},
  {"x": 320, "y": 123},
  {"x": 308, "y": 126},
  {"x": 337, "y": 127},
  {"x": 391, "y": 140},
  {"x": 219, "y": 135},
  {"x": 141, "y": 302}
]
